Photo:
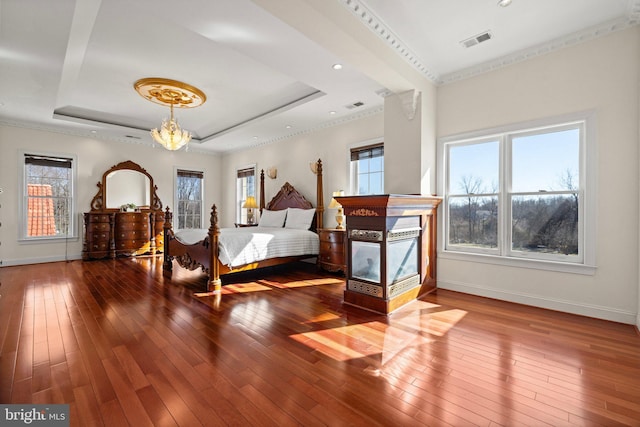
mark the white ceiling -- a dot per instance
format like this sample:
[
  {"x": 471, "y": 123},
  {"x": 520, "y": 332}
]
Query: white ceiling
[{"x": 70, "y": 66}]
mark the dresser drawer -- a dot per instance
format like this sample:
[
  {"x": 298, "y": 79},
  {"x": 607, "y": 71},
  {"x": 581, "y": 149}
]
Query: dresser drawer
[
  {"x": 99, "y": 246},
  {"x": 328, "y": 247},
  {"x": 130, "y": 217},
  {"x": 100, "y": 236},
  {"x": 132, "y": 244},
  {"x": 332, "y": 236},
  {"x": 93, "y": 218},
  {"x": 332, "y": 250},
  {"x": 126, "y": 226},
  {"x": 132, "y": 235},
  {"x": 332, "y": 258},
  {"x": 98, "y": 227}
]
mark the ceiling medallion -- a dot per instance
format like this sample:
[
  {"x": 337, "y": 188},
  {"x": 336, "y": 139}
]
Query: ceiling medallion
[{"x": 170, "y": 93}]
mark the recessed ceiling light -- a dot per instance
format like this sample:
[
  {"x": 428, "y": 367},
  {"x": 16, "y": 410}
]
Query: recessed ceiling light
[
  {"x": 337, "y": 66},
  {"x": 288, "y": 126},
  {"x": 332, "y": 112},
  {"x": 504, "y": 3},
  {"x": 255, "y": 137}
]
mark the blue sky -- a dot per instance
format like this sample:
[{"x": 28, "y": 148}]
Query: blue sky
[{"x": 539, "y": 162}]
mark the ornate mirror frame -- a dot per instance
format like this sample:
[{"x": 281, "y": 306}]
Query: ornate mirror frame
[{"x": 98, "y": 203}]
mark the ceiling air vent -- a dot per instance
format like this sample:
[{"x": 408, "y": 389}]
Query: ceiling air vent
[
  {"x": 354, "y": 105},
  {"x": 483, "y": 37}
]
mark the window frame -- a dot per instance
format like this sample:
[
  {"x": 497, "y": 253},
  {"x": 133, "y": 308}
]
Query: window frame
[
  {"x": 353, "y": 166},
  {"x": 241, "y": 213},
  {"x": 23, "y": 220},
  {"x": 176, "y": 207},
  {"x": 505, "y": 255}
]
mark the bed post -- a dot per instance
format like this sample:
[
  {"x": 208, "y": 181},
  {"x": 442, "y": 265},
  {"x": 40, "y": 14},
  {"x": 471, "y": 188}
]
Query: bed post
[
  {"x": 214, "y": 284},
  {"x": 261, "y": 190},
  {"x": 319, "y": 195},
  {"x": 167, "y": 265}
]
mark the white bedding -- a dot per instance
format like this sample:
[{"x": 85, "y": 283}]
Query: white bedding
[{"x": 244, "y": 245}]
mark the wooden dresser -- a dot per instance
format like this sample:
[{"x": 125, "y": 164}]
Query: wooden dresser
[
  {"x": 110, "y": 232},
  {"x": 332, "y": 250},
  {"x": 98, "y": 235}
]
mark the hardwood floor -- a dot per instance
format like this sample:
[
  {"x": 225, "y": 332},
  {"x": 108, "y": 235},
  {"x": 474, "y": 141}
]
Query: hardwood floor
[{"x": 124, "y": 345}]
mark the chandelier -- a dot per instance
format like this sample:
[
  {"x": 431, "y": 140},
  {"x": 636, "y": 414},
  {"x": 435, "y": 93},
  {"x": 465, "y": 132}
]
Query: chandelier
[{"x": 170, "y": 93}]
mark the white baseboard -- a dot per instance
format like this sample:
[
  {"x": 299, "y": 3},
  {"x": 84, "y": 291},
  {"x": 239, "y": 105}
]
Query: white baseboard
[
  {"x": 25, "y": 261},
  {"x": 589, "y": 310}
]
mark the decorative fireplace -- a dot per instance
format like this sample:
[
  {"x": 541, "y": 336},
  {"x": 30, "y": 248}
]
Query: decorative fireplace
[{"x": 391, "y": 249}]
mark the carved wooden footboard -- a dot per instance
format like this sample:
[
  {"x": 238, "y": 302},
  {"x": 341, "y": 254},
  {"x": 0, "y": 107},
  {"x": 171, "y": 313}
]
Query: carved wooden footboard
[{"x": 204, "y": 254}]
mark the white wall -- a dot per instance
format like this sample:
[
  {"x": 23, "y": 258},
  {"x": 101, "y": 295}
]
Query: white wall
[
  {"x": 292, "y": 156},
  {"x": 94, "y": 157},
  {"x": 599, "y": 75}
]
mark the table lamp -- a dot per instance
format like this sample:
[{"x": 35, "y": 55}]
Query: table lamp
[
  {"x": 250, "y": 205},
  {"x": 335, "y": 205}
]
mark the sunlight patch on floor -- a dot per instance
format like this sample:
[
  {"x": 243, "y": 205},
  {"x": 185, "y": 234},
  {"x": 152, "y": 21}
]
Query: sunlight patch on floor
[
  {"x": 240, "y": 288},
  {"x": 381, "y": 339},
  {"x": 303, "y": 283}
]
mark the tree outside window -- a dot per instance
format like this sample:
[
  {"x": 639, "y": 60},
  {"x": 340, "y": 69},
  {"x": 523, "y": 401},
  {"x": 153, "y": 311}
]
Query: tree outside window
[
  {"x": 48, "y": 197},
  {"x": 189, "y": 198},
  {"x": 517, "y": 194}
]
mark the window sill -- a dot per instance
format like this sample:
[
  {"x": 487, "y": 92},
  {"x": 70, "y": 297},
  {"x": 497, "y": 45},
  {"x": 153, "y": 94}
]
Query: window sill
[
  {"x": 37, "y": 240},
  {"x": 563, "y": 267}
]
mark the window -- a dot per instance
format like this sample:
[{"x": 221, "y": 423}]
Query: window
[
  {"x": 245, "y": 186},
  {"x": 519, "y": 194},
  {"x": 189, "y": 198},
  {"x": 367, "y": 169},
  {"x": 48, "y": 197}
]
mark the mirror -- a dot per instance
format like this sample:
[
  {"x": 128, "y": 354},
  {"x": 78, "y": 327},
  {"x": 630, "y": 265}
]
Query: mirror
[
  {"x": 126, "y": 183},
  {"x": 127, "y": 186}
]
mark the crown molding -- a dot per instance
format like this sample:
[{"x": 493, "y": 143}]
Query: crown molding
[
  {"x": 377, "y": 26},
  {"x": 544, "y": 48}
]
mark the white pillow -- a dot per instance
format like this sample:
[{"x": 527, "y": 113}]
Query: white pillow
[
  {"x": 272, "y": 218},
  {"x": 299, "y": 218}
]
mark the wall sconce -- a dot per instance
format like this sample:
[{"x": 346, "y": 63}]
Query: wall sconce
[
  {"x": 272, "y": 172},
  {"x": 250, "y": 204},
  {"x": 316, "y": 167},
  {"x": 335, "y": 205}
]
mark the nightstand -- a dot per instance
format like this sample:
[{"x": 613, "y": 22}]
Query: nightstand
[
  {"x": 238, "y": 225},
  {"x": 332, "y": 250}
]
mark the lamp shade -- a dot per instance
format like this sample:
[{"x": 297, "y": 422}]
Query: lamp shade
[
  {"x": 334, "y": 203},
  {"x": 250, "y": 203}
]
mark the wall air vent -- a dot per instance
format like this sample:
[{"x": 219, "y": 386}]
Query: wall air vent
[
  {"x": 354, "y": 105},
  {"x": 483, "y": 37}
]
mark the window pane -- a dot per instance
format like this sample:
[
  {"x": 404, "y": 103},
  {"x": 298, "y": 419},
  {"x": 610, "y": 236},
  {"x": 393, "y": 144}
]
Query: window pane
[
  {"x": 245, "y": 187},
  {"x": 473, "y": 221},
  {"x": 363, "y": 166},
  {"x": 48, "y": 197},
  {"x": 375, "y": 164},
  {"x": 474, "y": 168},
  {"x": 375, "y": 183},
  {"x": 547, "y": 161},
  {"x": 545, "y": 224},
  {"x": 189, "y": 184}
]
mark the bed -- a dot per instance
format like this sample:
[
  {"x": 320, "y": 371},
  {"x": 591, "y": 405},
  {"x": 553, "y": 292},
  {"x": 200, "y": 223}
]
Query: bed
[{"x": 214, "y": 250}]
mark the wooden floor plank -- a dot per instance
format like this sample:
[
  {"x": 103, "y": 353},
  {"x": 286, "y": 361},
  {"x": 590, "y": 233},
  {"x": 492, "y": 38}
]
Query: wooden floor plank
[{"x": 125, "y": 345}]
